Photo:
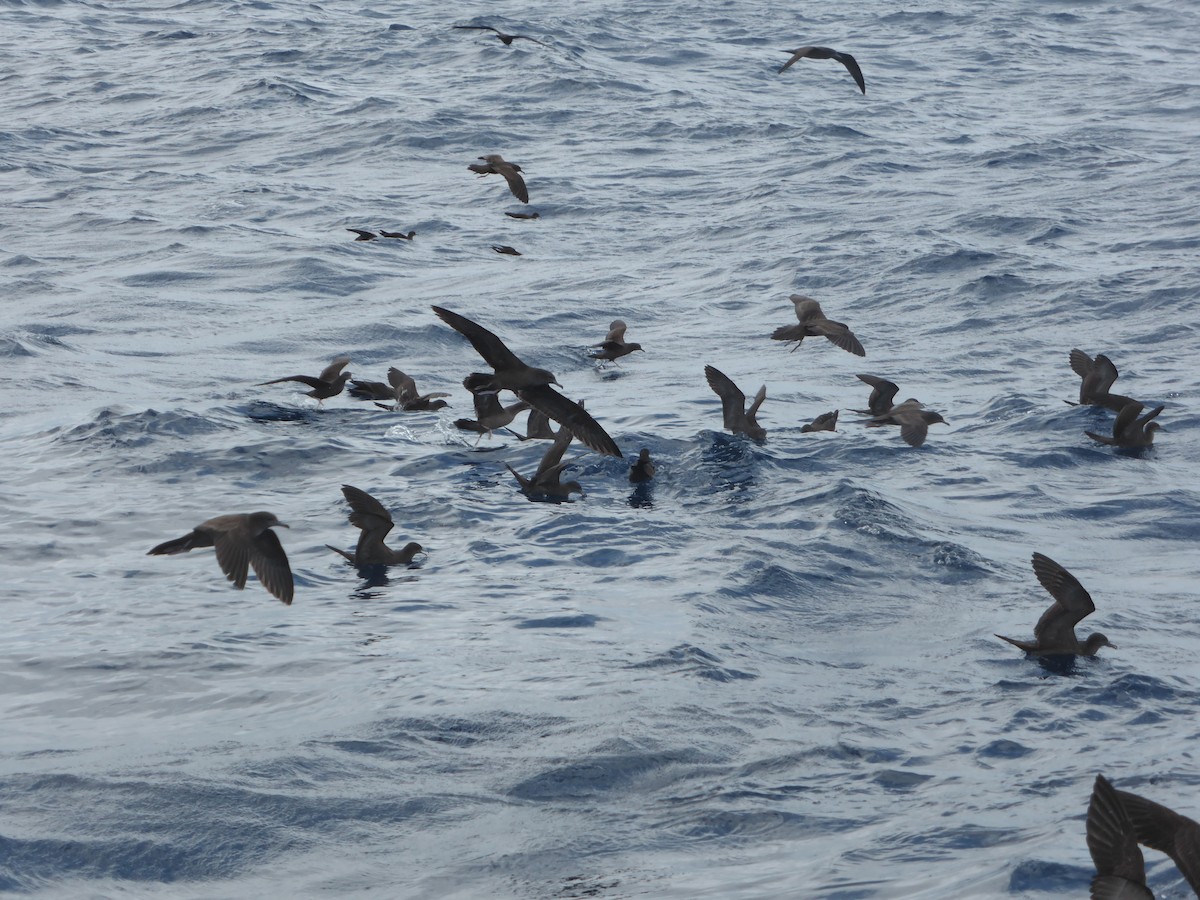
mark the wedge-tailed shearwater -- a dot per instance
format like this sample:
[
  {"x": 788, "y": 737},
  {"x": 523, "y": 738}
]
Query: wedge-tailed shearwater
[
  {"x": 643, "y": 467},
  {"x": 374, "y": 522},
  {"x": 883, "y": 395},
  {"x": 505, "y": 39},
  {"x": 1097, "y": 377},
  {"x": 506, "y": 250},
  {"x": 495, "y": 164},
  {"x": 738, "y": 419},
  {"x": 812, "y": 323},
  {"x": 363, "y": 235},
  {"x": 1128, "y": 429},
  {"x": 241, "y": 540},
  {"x": 399, "y": 235},
  {"x": 490, "y": 414},
  {"x": 532, "y": 215},
  {"x": 328, "y": 384},
  {"x": 613, "y": 347},
  {"x": 529, "y": 384},
  {"x": 824, "y": 422},
  {"x": 845, "y": 59},
  {"x": 1112, "y": 841},
  {"x": 546, "y": 481},
  {"x": 1054, "y": 633},
  {"x": 402, "y": 390},
  {"x": 913, "y": 419}
]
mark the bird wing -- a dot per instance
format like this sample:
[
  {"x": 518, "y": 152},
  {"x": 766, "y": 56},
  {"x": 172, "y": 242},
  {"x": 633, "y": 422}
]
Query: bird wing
[
  {"x": 553, "y": 456},
  {"x": 516, "y": 183},
  {"x": 271, "y": 565},
  {"x": 406, "y": 388},
  {"x": 839, "y": 334},
  {"x": 233, "y": 554},
  {"x": 478, "y": 28},
  {"x": 314, "y": 383},
  {"x": 363, "y": 235},
  {"x": 486, "y": 344},
  {"x": 1072, "y": 603},
  {"x": 538, "y": 425},
  {"x": 913, "y": 427},
  {"x": 1126, "y": 417},
  {"x": 851, "y": 65},
  {"x": 789, "y": 333},
  {"x": 1104, "y": 372},
  {"x": 733, "y": 401},
  {"x": 883, "y": 392},
  {"x": 567, "y": 412},
  {"x": 330, "y": 373},
  {"x": 370, "y": 390},
  {"x": 1150, "y": 415},
  {"x": 616, "y": 332},
  {"x": 758, "y": 401},
  {"x": 1111, "y": 838},
  {"x": 526, "y": 483},
  {"x": 1081, "y": 363},
  {"x": 525, "y": 37},
  {"x": 1167, "y": 831},
  {"x": 364, "y": 505},
  {"x": 487, "y": 405},
  {"x": 797, "y": 55}
]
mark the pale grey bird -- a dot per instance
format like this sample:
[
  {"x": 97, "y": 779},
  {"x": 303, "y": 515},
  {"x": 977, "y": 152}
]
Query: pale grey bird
[
  {"x": 737, "y": 418},
  {"x": 1112, "y": 841},
  {"x": 495, "y": 164},
  {"x": 813, "y": 323},
  {"x": 845, "y": 59},
  {"x": 328, "y": 384},
  {"x": 613, "y": 347},
  {"x": 374, "y": 522},
  {"x": 1054, "y": 633},
  {"x": 1128, "y": 429},
  {"x": 241, "y": 540}
]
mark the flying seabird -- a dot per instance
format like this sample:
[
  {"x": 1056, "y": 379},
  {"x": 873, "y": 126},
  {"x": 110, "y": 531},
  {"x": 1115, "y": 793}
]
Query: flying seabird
[
  {"x": 1128, "y": 429},
  {"x": 363, "y": 235},
  {"x": 824, "y": 422},
  {"x": 883, "y": 392},
  {"x": 529, "y": 384},
  {"x": 913, "y": 419},
  {"x": 401, "y": 390},
  {"x": 643, "y": 468},
  {"x": 241, "y": 540},
  {"x": 613, "y": 346},
  {"x": 1166, "y": 831},
  {"x": 1054, "y": 634},
  {"x": 1097, "y": 377},
  {"x": 328, "y": 384},
  {"x": 506, "y": 39},
  {"x": 374, "y": 521},
  {"x": 531, "y": 215},
  {"x": 1112, "y": 841},
  {"x": 495, "y": 164},
  {"x": 490, "y": 414},
  {"x": 546, "y": 481},
  {"x": 506, "y": 250},
  {"x": 813, "y": 322},
  {"x": 398, "y": 234},
  {"x": 826, "y": 53},
  {"x": 738, "y": 419}
]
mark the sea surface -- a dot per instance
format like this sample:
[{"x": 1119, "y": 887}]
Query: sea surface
[{"x": 772, "y": 672}]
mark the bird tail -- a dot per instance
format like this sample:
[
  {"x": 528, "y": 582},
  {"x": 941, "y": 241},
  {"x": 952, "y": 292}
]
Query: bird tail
[
  {"x": 349, "y": 556},
  {"x": 179, "y": 545}
]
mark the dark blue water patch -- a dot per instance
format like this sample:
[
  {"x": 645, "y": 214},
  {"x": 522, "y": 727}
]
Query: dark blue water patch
[
  {"x": 734, "y": 827},
  {"x": 945, "y": 261},
  {"x": 110, "y": 428},
  {"x": 1132, "y": 691},
  {"x": 582, "y": 620},
  {"x": 1036, "y": 875},
  {"x": 690, "y": 660},
  {"x": 604, "y": 774},
  {"x": 1004, "y": 749},
  {"x": 994, "y": 287},
  {"x": 12, "y": 348},
  {"x": 900, "y": 780}
]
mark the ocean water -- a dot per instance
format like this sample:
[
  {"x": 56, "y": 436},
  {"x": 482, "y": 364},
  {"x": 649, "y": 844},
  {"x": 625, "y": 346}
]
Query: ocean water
[{"x": 772, "y": 672}]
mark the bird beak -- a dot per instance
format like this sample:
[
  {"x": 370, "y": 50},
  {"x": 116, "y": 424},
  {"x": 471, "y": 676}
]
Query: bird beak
[
  {"x": 1114, "y": 646},
  {"x": 556, "y": 384},
  {"x": 282, "y": 525}
]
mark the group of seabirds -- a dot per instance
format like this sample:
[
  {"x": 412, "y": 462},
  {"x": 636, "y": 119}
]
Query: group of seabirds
[{"x": 1117, "y": 821}]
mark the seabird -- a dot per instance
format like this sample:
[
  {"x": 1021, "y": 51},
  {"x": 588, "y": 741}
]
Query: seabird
[
  {"x": 398, "y": 234},
  {"x": 613, "y": 346},
  {"x": 495, "y": 164},
  {"x": 826, "y": 53},
  {"x": 1128, "y": 429},
  {"x": 328, "y": 384},
  {"x": 506, "y": 250},
  {"x": 737, "y": 418},
  {"x": 374, "y": 521},
  {"x": 812, "y": 323},
  {"x": 537, "y": 428},
  {"x": 1166, "y": 831},
  {"x": 545, "y": 482},
  {"x": 529, "y": 384},
  {"x": 1054, "y": 634},
  {"x": 532, "y": 215},
  {"x": 363, "y": 235},
  {"x": 914, "y": 421},
  {"x": 489, "y": 413},
  {"x": 505, "y": 39},
  {"x": 401, "y": 390},
  {"x": 883, "y": 393},
  {"x": 1112, "y": 841},
  {"x": 1097, "y": 377},
  {"x": 824, "y": 422},
  {"x": 241, "y": 540},
  {"x": 643, "y": 468}
]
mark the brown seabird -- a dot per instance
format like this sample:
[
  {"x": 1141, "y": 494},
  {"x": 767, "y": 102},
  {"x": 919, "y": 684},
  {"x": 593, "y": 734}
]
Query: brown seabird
[
  {"x": 506, "y": 250},
  {"x": 913, "y": 419},
  {"x": 643, "y": 468},
  {"x": 328, "y": 384},
  {"x": 489, "y": 413},
  {"x": 401, "y": 390},
  {"x": 1097, "y": 377},
  {"x": 241, "y": 540},
  {"x": 495, "y": 164},
  {"x": 845, "y": 59},
  {"x": 613, "y": 346},
  {"x": 1054, "y": 633},
  {"x": 883, "y": 393},
  {"x": 1128, "y": 429},
  {"x": 531, "y": 215},
  {"x": 363, "y": 235},
  {"x": 824, "y": 422},
  {"x": 505, "y": 39},
  {"x": 738, "y": 419},
  {"x": 537, "y": 428},
  {"x": 399, "y": 235},
  {"x": 1112, "y": 841},
  {"x": 1166, "y": 831},
  {"x": 529, "y": 384},
  {"x": 546, "y": 481},
  {"x": 812, "y": 323},
  {"x": 374, "y": 521}
]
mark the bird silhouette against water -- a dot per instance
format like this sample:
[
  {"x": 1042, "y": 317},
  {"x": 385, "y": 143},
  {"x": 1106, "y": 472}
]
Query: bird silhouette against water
[
  {"x": 328, "y": 384},
  {"x": 402, "y": 390},
  {"x": 495, "y": 164},
  {"x": 813, "y": 323},
  {"x": 505, "y": 39},
  {"x": 1128, "y": 430},
  {"x": 845, "y": 59},
  {"x": 613, "y": 347},
  {"x": 546, "y": 481},
  {"x": 824, "y": 422},
  {"x": 643, "y": 468},
  {"x": 1054, "y": 633},
  {"x": 737, "y": 418},
  {"x": 1166, "y": 831},
  {"x": 1112, "y": 841},
  {"x": 374, "y": 522},
  {"x": 914, "y": 421}
]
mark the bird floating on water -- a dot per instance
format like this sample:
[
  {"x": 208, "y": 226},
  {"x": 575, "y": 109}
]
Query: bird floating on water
[
  {"x": 495, "y": 164},
  {"x": 399, "y": 235},
  {"x": 824, "y": 422},
  {"x": 374, "y": 522},
  {"x": 813, "y": 323},
  {"x": 1097, "y": 377},
  {"x": 532, "y": 215},
  {"x": 241, "y": 540},
  {"x": 506, "y": 250},
  {"x": 845, "y": 59},
  {"x": 643, "y": 468},
  {"x": 1054, "y": 633},
  {"x": 737, "y": 418},
  {"x": 1128, "y": 430},
  {"x": 328, "y": 384},
  {"x": 546, "y": 480}
]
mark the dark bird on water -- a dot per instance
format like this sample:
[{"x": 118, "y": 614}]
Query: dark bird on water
[
  {"x": 363, "y": 235},
  {"x": 813, "y": 323},
  {"x": 374, "y": 521},
  {"x": 826, "y": 53},
  {"x": 1112, "y": 841},
  {"x": 1054, "y": 633},
  {"x": 1097, "y": 377},
  {"x": 241, "y": 540},
  {"x": 495, "y": 164},
  {"x": 824, "y": 422},
  {"x": 883, "y": 394},
  {"x": 529, "y": 384},
  {"x": 643, "y": 468},
  {"x": 532, "y": 215},
  {"x": 328, "y": 384},
  {"x": 505, "y": 39},
  {"x": 613, "y": 347},
  {"x": 1128, "y": 429},
  {"x": 490, "y": 414},
  {"x": 913, "y": 419},
  {"x": 738, "y": 419},
  {"x": 1166, "y": 831},
  {"x": 506, "y": 250},
  {"x": 402, "y": 390},
  {"x": 400, "y": 235},
  {"x": 546, "y": 481}
]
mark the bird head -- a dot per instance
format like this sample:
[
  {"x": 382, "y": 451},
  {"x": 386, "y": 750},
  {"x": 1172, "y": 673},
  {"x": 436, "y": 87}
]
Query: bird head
[
  {"x": 261, "y": 521},
  {"x": 1095, "y": 642}
]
